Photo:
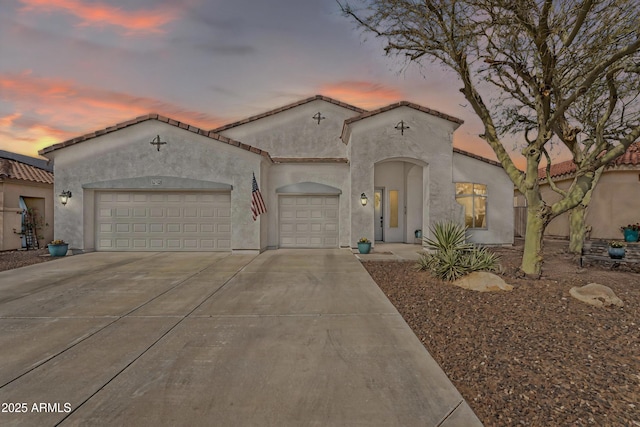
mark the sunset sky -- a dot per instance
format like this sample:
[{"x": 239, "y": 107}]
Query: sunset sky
[{"x": 69, "y": 67}]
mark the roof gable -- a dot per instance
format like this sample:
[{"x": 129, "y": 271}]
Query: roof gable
[
  {"x": 288, "y": 107},
  {"x": 346, "y": 130},
  {"x": 153, "y": 116}
]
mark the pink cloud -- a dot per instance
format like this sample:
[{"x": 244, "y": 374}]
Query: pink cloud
[
  {"x": 61, "y": 109},
  {"x": 100, "y": 14},
  {"x": 362, "y": 94}
]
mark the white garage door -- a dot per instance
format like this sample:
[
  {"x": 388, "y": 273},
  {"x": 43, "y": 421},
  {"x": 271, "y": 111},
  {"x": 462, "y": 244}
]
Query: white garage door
[
  {"x": 308, "y": 221},
  {"x": 163, "y": 221}
]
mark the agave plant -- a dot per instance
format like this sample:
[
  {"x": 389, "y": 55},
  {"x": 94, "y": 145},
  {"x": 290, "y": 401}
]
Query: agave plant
[
  {"x": 448, "y": 236},
  {"x": 452, "y": 256}
]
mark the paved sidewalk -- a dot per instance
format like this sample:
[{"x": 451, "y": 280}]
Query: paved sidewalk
[
  {"x": 391, "y": 252},
  {"x": 287, "y": 338}
]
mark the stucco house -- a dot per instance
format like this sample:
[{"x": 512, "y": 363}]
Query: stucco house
[
  {"x": 154, "y": 183},
  {"x": 615, "y": 200},
  {"x": 26, "y": 197}
]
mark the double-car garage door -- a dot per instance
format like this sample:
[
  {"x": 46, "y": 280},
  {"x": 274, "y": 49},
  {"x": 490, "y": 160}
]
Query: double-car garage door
[{"x": 163, "y": 221}]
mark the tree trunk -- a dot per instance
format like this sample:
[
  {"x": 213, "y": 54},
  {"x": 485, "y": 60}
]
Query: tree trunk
[
  {"x": 577, "y": 217},
  {"x": 577, "y": 229},
  {"x": 532, "y": 256}
]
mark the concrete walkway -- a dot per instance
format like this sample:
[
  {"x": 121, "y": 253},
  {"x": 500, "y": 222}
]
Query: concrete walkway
[
  {"x": 391, "y": 252},
  {"x": 287, "y": 338}
]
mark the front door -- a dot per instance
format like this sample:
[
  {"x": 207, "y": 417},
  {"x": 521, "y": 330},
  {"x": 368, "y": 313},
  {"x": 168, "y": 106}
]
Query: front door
[{"x": 378, "y": 214}]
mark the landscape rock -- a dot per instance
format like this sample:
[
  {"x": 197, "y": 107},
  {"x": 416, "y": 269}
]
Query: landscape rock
[
  {"x": 482, "y": 281},
  {"x": 596, "y": 295}
]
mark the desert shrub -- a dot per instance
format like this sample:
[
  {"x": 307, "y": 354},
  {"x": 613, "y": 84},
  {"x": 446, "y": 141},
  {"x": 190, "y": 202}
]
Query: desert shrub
[{"x": 452, "y": 257}]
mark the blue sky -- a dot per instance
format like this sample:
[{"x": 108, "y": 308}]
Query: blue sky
[{"x": 70, "y": 67}]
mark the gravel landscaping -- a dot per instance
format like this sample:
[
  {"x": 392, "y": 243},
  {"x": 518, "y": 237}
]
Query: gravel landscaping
[
  {"x": 533, "y": 356},
  {"x": 15, "y": 259}
]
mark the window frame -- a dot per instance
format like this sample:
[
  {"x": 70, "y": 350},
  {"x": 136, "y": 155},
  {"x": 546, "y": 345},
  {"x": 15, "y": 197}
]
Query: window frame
[{"x": 473, "y": 196}]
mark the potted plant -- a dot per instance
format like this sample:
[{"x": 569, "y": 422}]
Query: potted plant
[
  {"x": 418, "y": 234},
  {"x": 616, "y": 250},
  {"x": 364, "y": 245},
  {"x": 631, "y": 232},
  {"x": 58, "y": 248}
]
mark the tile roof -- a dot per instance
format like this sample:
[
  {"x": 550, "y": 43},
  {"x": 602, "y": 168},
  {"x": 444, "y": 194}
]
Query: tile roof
[
  {"x": 153, "y": 116},
  {"x": 14, "y": 169},
  {"x": 346, "y": 130},
  {"x": 631, "y": 157},
  {"x": 475, "y": 156},
  {"x": 28, "y": 160},
  {"x": 288, "y": 107}
]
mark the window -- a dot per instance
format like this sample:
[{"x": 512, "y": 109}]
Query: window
[
  {"x": 393, "y": 208},
  {"x": 473, "y": 197}
]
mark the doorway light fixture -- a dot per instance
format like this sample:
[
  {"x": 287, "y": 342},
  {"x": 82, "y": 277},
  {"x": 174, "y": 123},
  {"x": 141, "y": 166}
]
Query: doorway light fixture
[
  {"x": 364, "y": 199},
  {"x": 64, "y": 197}
]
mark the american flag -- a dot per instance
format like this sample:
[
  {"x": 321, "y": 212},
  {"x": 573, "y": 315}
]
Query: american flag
[{"x": 257, "y": 203}]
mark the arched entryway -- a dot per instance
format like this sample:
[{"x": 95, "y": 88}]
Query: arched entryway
[{"x": 399, "y": 196}]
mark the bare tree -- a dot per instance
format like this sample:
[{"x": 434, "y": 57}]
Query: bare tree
[{"x": 533, "y": 68}]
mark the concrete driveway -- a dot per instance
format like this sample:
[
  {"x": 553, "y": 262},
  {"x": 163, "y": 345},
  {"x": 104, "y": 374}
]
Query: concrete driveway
[{"x": 286, "y": 338}]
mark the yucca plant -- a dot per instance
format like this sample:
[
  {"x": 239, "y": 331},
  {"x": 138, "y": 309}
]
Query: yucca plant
[
  {"x": 448, "y": 236},
  {"x": 452, "y": 256}
]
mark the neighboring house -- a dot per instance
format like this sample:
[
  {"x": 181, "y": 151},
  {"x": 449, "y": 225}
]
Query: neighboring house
[
  {"x": 615, "y": 200},
  {"x": 26, "y": 191},
  {"x": 154, "y": 183}
]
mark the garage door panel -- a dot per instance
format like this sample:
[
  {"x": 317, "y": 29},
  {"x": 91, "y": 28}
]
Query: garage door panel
[
  {"x": 122, "y": 213},
  {"x": 308, "y": 221},
  {"x": 157, "y": 221}
]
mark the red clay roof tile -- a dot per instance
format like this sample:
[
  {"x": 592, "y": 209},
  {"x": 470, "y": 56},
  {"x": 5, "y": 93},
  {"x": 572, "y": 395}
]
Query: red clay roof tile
[
  {"x": 208, "y": 134},
  {"x": 346, "y": 130},
  {"x": 288, "y": 107},
  {"x": 631, "y": 157},
  {"x": 17, "y": 170}
]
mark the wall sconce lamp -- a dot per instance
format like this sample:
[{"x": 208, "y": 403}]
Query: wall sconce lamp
[
  {"x": 364, "y": 199},
  {"x": 64, "y": 197}
]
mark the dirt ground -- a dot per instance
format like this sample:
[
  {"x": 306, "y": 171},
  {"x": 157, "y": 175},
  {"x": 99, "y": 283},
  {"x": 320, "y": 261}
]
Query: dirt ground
[
  {"x": 533, "y": 356},
  {"x": 15, "y": 259}
]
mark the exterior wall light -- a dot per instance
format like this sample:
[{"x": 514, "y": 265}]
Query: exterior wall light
[
  {"x": 364, "y": 199},
  {"x": 64, "y": 197}
]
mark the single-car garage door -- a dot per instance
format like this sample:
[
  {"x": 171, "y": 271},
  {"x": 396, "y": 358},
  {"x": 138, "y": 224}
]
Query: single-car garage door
[
  {"x": 308, "y": 221},
  {"x": 163, "y": 221}
]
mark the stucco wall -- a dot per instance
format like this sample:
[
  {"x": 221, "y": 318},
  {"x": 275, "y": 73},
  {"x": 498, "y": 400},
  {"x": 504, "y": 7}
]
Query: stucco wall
[
  {"x": 427, "y": 143},
  {"x": 294, "y": 132},
  {"x": 10, "y": 191},
  {"x": 615, "y": 202},
  {"x": 128, "y": 154},
  {"x": 499, "y": 198}
]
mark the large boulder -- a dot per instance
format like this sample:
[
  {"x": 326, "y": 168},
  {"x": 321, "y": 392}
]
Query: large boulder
[
  {"x": 482, "y": 281},
  {"x": 596, "y": 294}
]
